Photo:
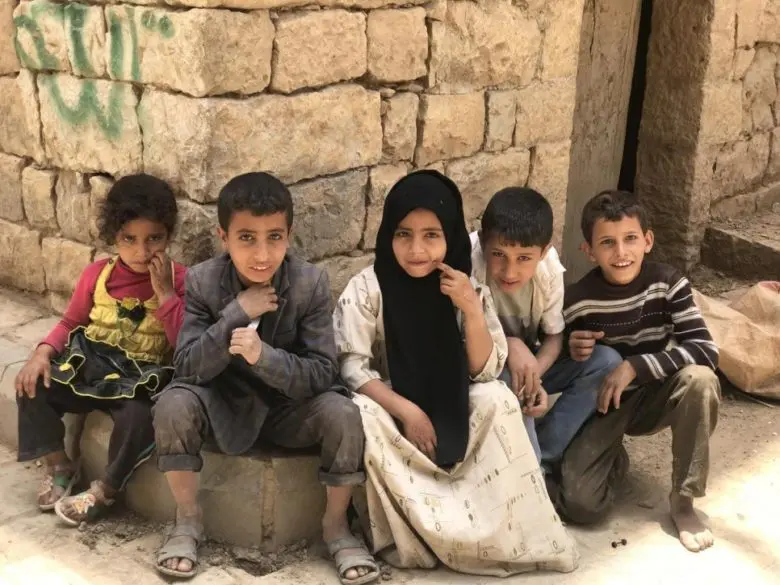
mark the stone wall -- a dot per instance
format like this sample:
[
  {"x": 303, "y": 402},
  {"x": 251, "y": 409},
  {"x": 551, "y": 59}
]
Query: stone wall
[{"x": 338, "y": 99}]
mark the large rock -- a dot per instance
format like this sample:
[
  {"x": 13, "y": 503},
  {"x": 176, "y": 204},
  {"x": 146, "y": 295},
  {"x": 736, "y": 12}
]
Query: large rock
[
  {"x": 399, "y": 122},
  {"x": 550, "y": 176},
  {"x": 90, "y": 125},
  {"x": 341, "y": 269},
  {"x": 11, "y": 207},
  {"x": 300, "y": 137},
  {"x": 381, "y": 179},
  {"x": 313, "y": 49},
  {"x": 99, "y": 186},
  {"x": 453, "y": 126},
  {"x": 397, "y": 44},
  {"x": 760, "y": 89},
  {"x": 64, "y": 261},
  {"x": 721, "y": 113},
  {"x": 9, "y": 62},
  {"x": 329, "y": 214},
  {"x": 86, "y": 31},
  {"x": 21, "y": 262},
  {"x": 561, "y": 44},
  {"x": 38, "y": 197},
  {"x": 481, "y": 45},
  {"x": 20, "y": 130},
  {"x": 545, "y": 112},
  {"x": 42, "y": 42},
  {"x": 199, "y": 52},
  {"x": 195, "y": 239},
  {"x": 501, "y": 109},
  {"x": 482, "y": 175},
  {"x": 73, "y": 206},
  {"x": 740, "y": 165}
]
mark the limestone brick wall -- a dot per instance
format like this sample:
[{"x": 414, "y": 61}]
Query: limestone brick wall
[{"x": 339, "y": 99}]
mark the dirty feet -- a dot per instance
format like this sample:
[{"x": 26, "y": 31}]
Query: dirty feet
[
  {"x": 87, "y": 506},
  {"x": 178, "y": 556},
  {"x": 354, "y": 563},
  {"x": 694, "y": 535},
  {"x": 57, "y": 484}
]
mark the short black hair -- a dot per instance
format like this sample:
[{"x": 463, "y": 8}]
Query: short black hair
[
  {"x": 611, "y": 205},
  {"x": 132, "y": 197},
  {"x": 520, "y": 215},
  {"x": 260, "y": 193}
]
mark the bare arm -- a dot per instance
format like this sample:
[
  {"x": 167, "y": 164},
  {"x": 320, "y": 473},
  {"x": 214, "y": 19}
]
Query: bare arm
[
  {"x": 479, "y": 342},
  {"x": 548, "y": 352}
]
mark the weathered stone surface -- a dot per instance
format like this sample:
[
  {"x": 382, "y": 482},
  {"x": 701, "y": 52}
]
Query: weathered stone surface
[
  {"x": 769, "y": 23},
  {"x": 722, "y": 38},
  {"x": 20, "y": 131},
  {"x": 73, "y": 213},
  {"x": 38, "y": 197},
  {"x": 545, "y": 112},
  {"x": 761, "y": 118},
  {"x": 199, "y": 52},
  {"x": 64, "y": 261},
  {"x": 501, "y": 109},
  {"x": 42, "y": 42},
  {"x": 400, "y": 127},
  {"x": 768, "y": 198},
  {"x": 742, "y": 60},
  {"x": 85, "y": 28},
  {"x": 329, "y": 214},
  {"x": 560, "y": 48},
  {"x": 436, "y": 10},
  {"x": 11, "y": 207},
  {"x": 773, "y": 168},
  {"x": 452, "y": 126},
  {"x": 740, "y": 165},
  {"x": 99, "y": 187},
  {"x": 481, "y": 45},
  {"x": 21, "y": 264},
  {"x": 760, "y": 89},
  {"x": 482, "y": 175},
  {"x": 381, "y": 179},
  {"x": 195, "y": 239},
  {"x": 342, "y": 268},
  {"x": 9, "y": 63},
  {"x": 90, "y": 125},
  {"x": 749, "y": 21},
  {"x": 550, "y": 176},
  {"x": 732, "y": 207},
  {"x": 312, "y": 49},
  {"x": 397, "y": 44},
  {"x": 271, "y": 4},
  {"x": 721, "y": 114},
  {"x": 300, "y": 137},
  {"x": 750, "y": 250}
]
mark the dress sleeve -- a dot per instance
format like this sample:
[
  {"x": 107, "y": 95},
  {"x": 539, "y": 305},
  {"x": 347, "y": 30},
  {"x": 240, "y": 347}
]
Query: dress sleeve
[{"x": 495, "y": 363}]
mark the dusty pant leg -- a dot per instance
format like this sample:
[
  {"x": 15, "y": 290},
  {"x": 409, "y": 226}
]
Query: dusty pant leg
[
  {"x": 180, "y": 428},
  {"x": 132, "y": 439},
  {"x": 329, "y": 420},
  {"x": 691, "y": 410}
]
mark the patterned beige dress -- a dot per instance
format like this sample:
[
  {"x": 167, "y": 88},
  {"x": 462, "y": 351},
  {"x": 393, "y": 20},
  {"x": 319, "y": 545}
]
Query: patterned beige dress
[{"x": 489, "y": 514}]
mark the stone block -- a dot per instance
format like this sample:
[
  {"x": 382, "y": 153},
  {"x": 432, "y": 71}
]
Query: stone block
[
  {"x": 39, "y": 198},
  {"x": 21, "y": 263},
  {"x": 740, "y": 165},
  {"x": 329, "y": 214},
  {"x": 64, "y": 261},
  {"x": 773, "y": 167},
  {"x": 749, "y": 21},
  {"x": 341, "y": 269},
  {"x": 90, "y": 125},
  {"x": 733, "y": 207},
  {"x": 436, "y": 10},
  {"x": 397, "y": 44},
  {"x": 545, "y": 112},
  {"x": 550, "y": 176},
  {"x": 295, "y": 138},
  {"x": 769, "y": 23},
  {"x": 760, "y": 88},
  {"x": 73, "y": 206},
  {"x": 9, "y": 62},
  {"x": 721, "y": 114},
  {"x": 722, "y": 39},
  {"x": 742, "y": 60},
  {"x": 381, "y": 179},
  {"x": 9, "y": 419},
  {"x": 750, "y": 250},
  {"x": 282, "y": 4},
  {"x": 85, "y": 28},
  {"x": 482, "y": 175},
  {"x": 442, "y": 138},
  {"x": 560, "y": 47},
  {"x": 11, "y": 207},
  {"x": 198, "y": 52},
  {"x": 313, "y": 49},
  {"x": 768, "y": 198},
  {"x": 195, "y": 238},
  {"x": 20, "y": 131},
  {"x": 478, "y": 45},
  {"x": 99, "y": 187},
  {"x": 399, "y": 123},
  {"x": 41, "y": 39},
  {"x": 501, "y": 111}
]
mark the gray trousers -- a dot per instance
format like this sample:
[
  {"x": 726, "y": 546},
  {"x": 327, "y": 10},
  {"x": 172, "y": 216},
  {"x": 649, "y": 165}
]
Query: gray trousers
[
  {"x": 596, "y": 461},
  {"x": 328, "y": 420}
]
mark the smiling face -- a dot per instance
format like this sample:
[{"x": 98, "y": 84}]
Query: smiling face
[
  {"x": 138, "y": 240},
  {"x": 619, "y": 247},
  {"x": 256, "y": 244},
  {"x": 419, "y": 244},
  {"x": 510, "y": 265}
]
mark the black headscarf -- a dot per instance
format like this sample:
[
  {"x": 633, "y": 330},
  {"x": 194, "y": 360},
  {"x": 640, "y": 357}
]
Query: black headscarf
[{"x": 425, "y": 351}]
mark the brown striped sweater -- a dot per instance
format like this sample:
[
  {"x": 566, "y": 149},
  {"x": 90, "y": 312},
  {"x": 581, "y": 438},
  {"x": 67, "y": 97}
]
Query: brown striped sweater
[{"x": 652, "y": 322}]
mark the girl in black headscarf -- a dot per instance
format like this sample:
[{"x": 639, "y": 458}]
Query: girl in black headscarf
[{"x": 451, "y": 473}]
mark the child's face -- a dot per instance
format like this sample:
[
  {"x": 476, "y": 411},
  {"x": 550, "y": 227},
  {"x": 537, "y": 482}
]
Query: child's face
[
  {"x": 139, "y": 240},
  {"x": 619, "y": 247},
  {"x": 419, "y": 244},
  {"x": 256, "y": 244},
  {"x": 509, "y": 264}
]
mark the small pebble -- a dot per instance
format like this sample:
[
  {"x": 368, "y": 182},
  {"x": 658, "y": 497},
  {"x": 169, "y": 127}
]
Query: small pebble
[
  {"x": 386, "y": 576},
  {"x": 82, "y": 527}
]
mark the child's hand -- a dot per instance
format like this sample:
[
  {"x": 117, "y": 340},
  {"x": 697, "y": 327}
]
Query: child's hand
[
  {"x": 258, "y": 300},
  {"x": 246, "y": 342},
  {"x": 613, "y": 386},
  {"x": 457, "y": 285},
  {"x": 418, "y": 429},
  {"x": 161, "y": 274},
  {"x": 524, "y": 369},
  {"x": 39, "y": 365},
  {"x": 538, "y": 407},
  {"x": 581, "y": 344}
]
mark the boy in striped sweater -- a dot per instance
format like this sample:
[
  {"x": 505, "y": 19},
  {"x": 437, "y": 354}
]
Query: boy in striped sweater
[{"x": 645, "y": 311}]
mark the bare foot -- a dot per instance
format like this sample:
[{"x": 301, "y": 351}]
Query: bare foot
[
  {"x": 53, "y": 485},
  {"x": 336, "y": 530},
  {"x": 694, "y": 535}
]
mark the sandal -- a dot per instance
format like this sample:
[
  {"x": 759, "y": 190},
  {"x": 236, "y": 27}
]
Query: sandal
[
  {"x": 352, "y": 560},
  {"x": 181, "y": 542},
  {"x": 64, "y": 479},
  {"x": 83, "y": 507}
]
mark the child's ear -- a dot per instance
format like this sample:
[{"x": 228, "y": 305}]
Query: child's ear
[
  {"x": 588, "y": 251},
  {"x": 222, "y": 235},
  {"x": 649, "y": 241}
]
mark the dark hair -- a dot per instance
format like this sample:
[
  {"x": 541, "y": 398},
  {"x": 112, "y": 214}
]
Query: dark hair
[
  {"x": 611, "y": 205},
  {"x": 260, "y": 193},
  {"x": 520, "y": 215},
  {"x": 132, "y": 197}
]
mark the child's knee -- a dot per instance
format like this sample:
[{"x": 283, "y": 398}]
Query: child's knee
[
  {"x": 176, "y": 411},
  {"x": 701, "y": 384},
  {"x": 341, "y": 416},
  {"x": 605, "y": 358}
]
